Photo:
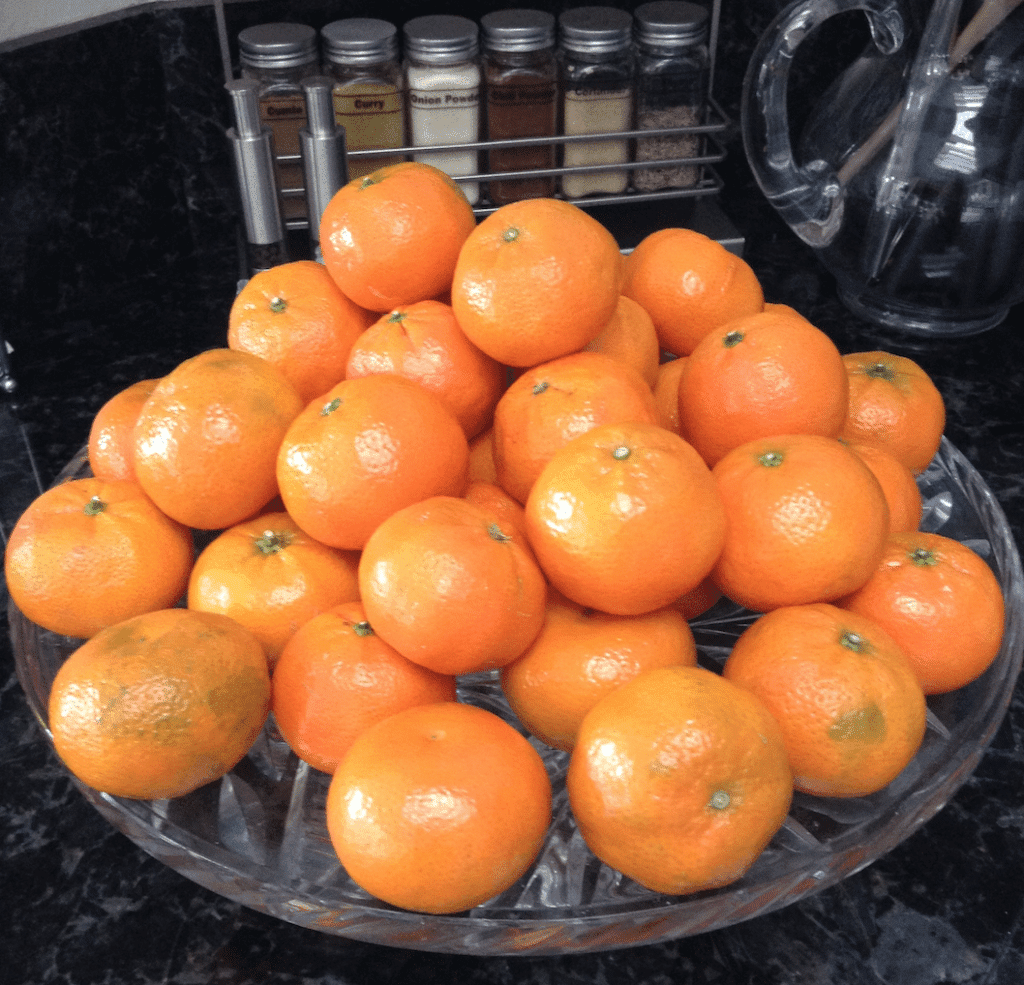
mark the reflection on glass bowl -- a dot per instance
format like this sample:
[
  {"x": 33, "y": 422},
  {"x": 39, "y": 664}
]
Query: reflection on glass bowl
[{"x": 258, "y": 835}]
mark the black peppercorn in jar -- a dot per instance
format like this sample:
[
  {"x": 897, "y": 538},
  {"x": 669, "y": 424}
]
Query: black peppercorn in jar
[
  {"x": 279, "y": 56},
  {"x": 521, "y": 82},
  {"x": 671, "y": 39}
]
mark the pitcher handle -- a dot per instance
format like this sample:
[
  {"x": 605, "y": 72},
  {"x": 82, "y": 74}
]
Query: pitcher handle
[{"x": 809, "y": 197}]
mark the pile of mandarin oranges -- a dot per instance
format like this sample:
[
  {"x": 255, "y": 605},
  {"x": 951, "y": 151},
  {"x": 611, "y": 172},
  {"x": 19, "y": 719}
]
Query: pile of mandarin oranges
[{"x": 506, "y": 447}]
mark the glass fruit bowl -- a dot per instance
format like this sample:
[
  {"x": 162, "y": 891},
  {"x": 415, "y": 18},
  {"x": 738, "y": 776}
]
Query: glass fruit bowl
[{"x": 258, "y": 836}]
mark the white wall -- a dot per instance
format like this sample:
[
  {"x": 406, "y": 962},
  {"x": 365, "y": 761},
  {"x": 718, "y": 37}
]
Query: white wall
[{"x": 25, "y": 21}]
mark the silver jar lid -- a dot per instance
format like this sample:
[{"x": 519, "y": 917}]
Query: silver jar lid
[
  {"x": 441, "y": 39},
  {"x": 672, "y": 23},
  {"x": 596, "y": 30},
  {"x": 277, "y": 45},
  {"x": 518, "y": 29},
  {"x": 360, "y": 41}
]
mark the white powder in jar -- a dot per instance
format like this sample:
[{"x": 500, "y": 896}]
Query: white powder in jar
[{"x": 444, "y": 108}]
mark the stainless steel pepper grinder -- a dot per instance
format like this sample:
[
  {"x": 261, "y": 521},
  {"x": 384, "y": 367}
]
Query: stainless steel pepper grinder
[
  {"x": 322, "y": 143},
  {"x": 253, "y": 152}
]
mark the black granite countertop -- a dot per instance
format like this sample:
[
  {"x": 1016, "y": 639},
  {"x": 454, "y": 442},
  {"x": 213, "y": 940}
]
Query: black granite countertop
[{"x": 103, "y": 290}]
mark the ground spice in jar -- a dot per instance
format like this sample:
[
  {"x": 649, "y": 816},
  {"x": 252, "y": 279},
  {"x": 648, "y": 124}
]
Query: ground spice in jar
[
  {"x": 521, "y": 81},
  {"x": 596, "y": 69},
  {"x": 443, "y": 83},
  {"x": 361, "y": 55},
  {"x": 279, "y": 56},
  {"x": 671, "y": 89}
]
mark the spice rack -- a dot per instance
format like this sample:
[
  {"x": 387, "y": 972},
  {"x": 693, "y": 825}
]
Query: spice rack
[
  {"x": 709, "y": 135},
  {"x": 708, "y": 184}
]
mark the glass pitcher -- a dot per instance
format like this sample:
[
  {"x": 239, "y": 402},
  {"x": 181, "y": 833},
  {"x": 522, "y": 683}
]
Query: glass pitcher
[{"x": 911, "y": 186}]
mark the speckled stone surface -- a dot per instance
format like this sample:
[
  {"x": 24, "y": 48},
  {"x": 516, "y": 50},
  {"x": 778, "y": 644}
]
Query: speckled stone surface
[{"x": 119, "y": 258}]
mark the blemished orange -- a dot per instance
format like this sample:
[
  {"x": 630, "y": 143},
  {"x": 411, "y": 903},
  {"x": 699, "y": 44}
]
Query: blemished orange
[
  {"x": 296, "y": 317},
  {"x": 111, "y": 443},
  {"x": 536, "y": 280},
  {"x": 851, "y": 711},
  {"x": 393, "y": 237},
  {"x": 895, "y": 405},
  {"x": 679, "y": 780},
  {"x": 898, "y": 483},
  {"x": 666, "y": 392},
  {"x": 626, "y": 518},
  {"x": 450, "y": 587},
  {"x": 439, "y": 808},
  {"x": 582, "y": 654},
  {"x": 506, "y": 511},
  {"x": 272, "y": 577},
  {"x": 367, "y": 448},
  {"x": 424, "y": 343},
  {"x": 629, "y": 337},
  {"x": 690, "y": 285},
  {"x": 86, "y": 554},
  {"x": 159, "y": 705},
  {"x": 549, "y": 405},
  {"x": 764, "y": 374},
  {"x": 206, "y": 440},
  {"x": 808, "y": 521},
  {"x": 942, "y": 604},
  {"x": 336, "y": 677}
]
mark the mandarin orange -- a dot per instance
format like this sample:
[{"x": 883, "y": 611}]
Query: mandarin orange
[
  {"x": 626, "y": 518},
  {"x": 111, "y": 443},
  {"x": 679, "y": 780},
  {"x": 894, "y": 404},
  {"x": 536, "y": 280},
  {"x": 438, "y": 808},
  {"x": 272, "y": 577},
  {"x": 295, "y": 316},
  {"x": 393, "y": 237},
  {"x": 690, "y": 285},
  {"x": 423, "y": 342},
  {"x": 807, "y": 521},
  {"x": 761, "y": 375},
  {"x": 549, "y": 405},
  {"x": 451, "y": 587},
  {"x": 367, "y": 448},
  {"x": 86, "y": 554},
  {"x": 160, "y": 704},
  {"x": 207, "y": 438},
  {"x": 942, "y": 604},
  {"x": 582, "y": 654},
  {"x": 630, "y": 338},
  {"x": 851, "y": 711},
  {"x": 898, "y": 484},
  {"x": 336, "y": 677}
]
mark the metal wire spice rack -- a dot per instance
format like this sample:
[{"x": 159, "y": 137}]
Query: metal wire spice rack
[
  {"x": 709, "y": 182},
  {"x": 710, "y": 132}
]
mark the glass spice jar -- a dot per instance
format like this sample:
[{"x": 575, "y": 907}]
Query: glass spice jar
[
  {"x": 671, "y": 39},
  {"x": 597, "y": 69},
  {"x": 443, "y": 84},
  {"x": 521, "y": 84},
  {"x": 279, "y": 56},
  {"x": 361, "y": 55}
]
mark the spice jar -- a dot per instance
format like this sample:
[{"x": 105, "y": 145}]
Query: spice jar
[
  {"x": 597, "y": 74},
  {"x": 279, "y": 56},
  {"x": 671, "y": 88},
  {"x": 361, "y": 55},
  {"x": 521, "y": 83},
  {"x": 443, "y": 83}
]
